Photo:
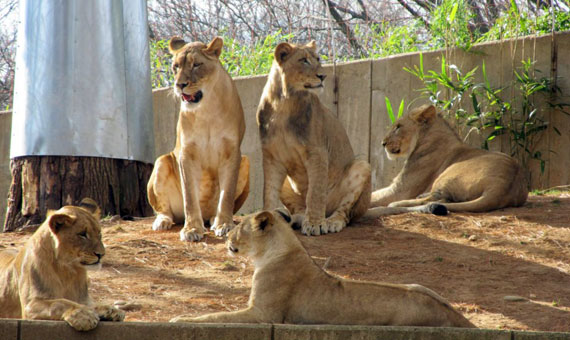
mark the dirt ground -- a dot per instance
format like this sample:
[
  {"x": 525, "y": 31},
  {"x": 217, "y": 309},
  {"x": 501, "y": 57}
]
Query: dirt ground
[{"x": 479, "y": 262}]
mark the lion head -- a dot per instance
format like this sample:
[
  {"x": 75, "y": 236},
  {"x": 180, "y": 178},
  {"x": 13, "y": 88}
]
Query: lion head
[
  {"x": 300, "y": 66},
  {"x": 254, "y": 236},
  {"x": 195, "y": 66},
  {"x": 77, "y": 234},
  {"x": 403, "y": 136}
]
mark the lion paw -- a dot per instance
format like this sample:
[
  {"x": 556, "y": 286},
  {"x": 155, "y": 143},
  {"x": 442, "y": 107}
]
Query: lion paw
[
  {"x": 191, "y": 234},
  {"x": 109, "y": 313},
  {"x": 336, "y": 223},
  {"x": 315, "y": 229},
  {"x": 221, "y": 229},
  {"x": 162, "y": 222},
  {"x": 82, "y": 319}
]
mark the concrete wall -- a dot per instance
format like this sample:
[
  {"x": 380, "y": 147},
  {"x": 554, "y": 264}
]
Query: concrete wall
[
  {"x": 360, "y": 106},
  {"x": 52, "y": 330}
]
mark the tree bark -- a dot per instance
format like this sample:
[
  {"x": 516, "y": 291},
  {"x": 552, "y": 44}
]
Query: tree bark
[{"x": 42, "y": 183}]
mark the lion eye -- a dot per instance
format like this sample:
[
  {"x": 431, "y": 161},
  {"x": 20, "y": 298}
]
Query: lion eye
[
  {"x": 305, "y": 60},
  {"x": 197, "y": 65},
  {"x": 175, "y": 66},
  {"x": 82, "y": 234}
]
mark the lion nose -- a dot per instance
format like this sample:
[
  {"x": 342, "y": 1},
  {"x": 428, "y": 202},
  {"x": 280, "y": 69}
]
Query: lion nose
[
  {"x": 181, "y": 85},
  {"x": 321, "y": 76},
  {"x": 99, "y": 255},
  {"x": 384, "y": 143}
]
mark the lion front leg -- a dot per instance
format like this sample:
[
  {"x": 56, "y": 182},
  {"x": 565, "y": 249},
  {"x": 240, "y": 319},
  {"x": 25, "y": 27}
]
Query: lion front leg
[
  {"x": 351, "y": 198},
  {"x": 228, "y": 176},
  {"x": 317, "y": 172},
  {"x": 274, "y": 174},
  {"x": 80, "y": 317},
  {"x": 190, "y": 175}
]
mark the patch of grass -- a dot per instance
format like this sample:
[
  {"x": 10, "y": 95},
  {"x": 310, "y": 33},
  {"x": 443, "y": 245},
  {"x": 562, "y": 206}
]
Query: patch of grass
[{"x": 439, "y": 259}]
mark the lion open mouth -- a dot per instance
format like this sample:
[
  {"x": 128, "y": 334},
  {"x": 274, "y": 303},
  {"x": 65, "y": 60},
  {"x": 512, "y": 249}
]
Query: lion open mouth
[{"x": 192, "y": 98}]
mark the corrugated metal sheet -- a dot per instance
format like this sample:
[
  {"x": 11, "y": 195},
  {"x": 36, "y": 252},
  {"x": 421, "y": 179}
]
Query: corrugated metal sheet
[{"x": 82, "y": 83}]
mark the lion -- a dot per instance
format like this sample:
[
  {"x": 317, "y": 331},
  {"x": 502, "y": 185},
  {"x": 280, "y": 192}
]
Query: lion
[
  {"x": 205, "y": 178},
  {"x": 288, "y": 287},
  {"x": 47, "y": 278},
  {"x": 446, "y": 170},
  {"x": 308, "y": 162}
]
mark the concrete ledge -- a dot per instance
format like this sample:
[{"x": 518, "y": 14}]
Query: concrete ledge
[
  {"x": 518, "y": 335},
  {"x": 8, "y": 329},
  {"x": 57, "y": 330},
  {"x": 328, "y": 332}
]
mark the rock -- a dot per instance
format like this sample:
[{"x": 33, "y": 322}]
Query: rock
[{"x": 514, "y": 298}]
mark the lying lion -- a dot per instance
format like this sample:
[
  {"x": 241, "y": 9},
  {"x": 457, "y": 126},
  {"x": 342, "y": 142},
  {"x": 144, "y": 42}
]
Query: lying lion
[
  {"x": 288, "y": 287},
  {"x": 308, "y": 162},
  {"x": 47, "y": 278},
  {"x": 205, "y": 178},
  {"x": 461, "y": 177}
]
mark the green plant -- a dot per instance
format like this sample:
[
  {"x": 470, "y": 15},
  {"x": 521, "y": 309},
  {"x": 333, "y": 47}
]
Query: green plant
[
  {"x": 522, "y": 121},
  {"x": 385, "y": 39},
  {"x": 245, "y": 60},
  {"x": 160, "y": 62},
  {"x": 391, "y": 111},
  {"x": 449, "y": 25}
]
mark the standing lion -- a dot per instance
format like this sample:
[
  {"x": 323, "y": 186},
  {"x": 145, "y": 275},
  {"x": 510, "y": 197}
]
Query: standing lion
[
  {"x": 308, "y": 162},
  {"x": 205, "y": 177}
]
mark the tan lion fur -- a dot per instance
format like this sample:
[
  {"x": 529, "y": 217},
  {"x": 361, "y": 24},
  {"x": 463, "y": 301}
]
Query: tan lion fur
[
  {"x": 205, "y": 178},
  {"x": 308, "y": 162},
  {"x": 288, "y": 287},
  {"x": 47, "y": 279},
  {"x": 448, "y": 171}
]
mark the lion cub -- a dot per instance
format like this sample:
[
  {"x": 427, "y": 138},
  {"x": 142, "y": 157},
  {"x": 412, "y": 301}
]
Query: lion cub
[
  {"x": 47, "y": 278},
  {"x": 308, "y": 162},
  {"x": 205, "y": 177},
  {"x": 445, "y": 170},
  {"x": 288, "y": 287}
]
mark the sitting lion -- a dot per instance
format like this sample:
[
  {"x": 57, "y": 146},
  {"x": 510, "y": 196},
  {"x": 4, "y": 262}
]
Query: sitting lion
[
  {"x": 47, "y": 278},
  {"x": 288, "y": 287},
  {"x": 461, "y": 177},
  {"x": 308, "y": 162},
  {"x": 205, "y": 177}
]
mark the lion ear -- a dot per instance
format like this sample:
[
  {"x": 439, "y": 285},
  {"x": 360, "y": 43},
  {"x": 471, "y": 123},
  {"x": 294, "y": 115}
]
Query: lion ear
[
  {"x": 264, "y": 219},
  {"x": 175, "y": 44},
  {"x": 91, "y": 206},
  {"x": 424, "y": 114},
  {"x": 214, "y": 48},
  {"x": 283, "y": 51},
  {"x": 312, "y": 45},
  {"x": 57, "y": 221}
]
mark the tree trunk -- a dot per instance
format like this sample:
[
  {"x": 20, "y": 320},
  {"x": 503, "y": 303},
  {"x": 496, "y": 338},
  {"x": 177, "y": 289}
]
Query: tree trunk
[{"x": 42, "y": 183}]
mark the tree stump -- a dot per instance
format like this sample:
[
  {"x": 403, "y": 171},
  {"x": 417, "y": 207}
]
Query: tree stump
[{"x": 42, "y": 183}]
